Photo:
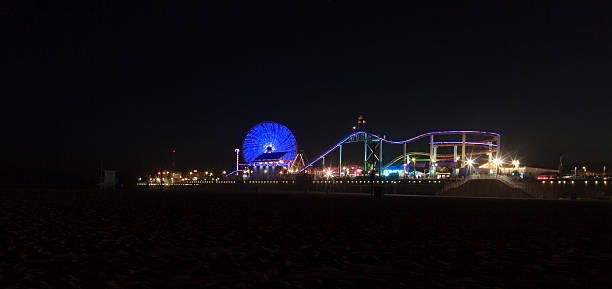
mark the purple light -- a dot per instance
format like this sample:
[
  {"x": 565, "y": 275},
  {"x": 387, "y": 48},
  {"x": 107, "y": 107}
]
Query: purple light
[{"x": 236, "y": 171}]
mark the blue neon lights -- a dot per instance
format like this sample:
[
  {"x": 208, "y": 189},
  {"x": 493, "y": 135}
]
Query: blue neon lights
[
  {"x": 234, "y": 172},
  {"x": 269, "y": 138}
]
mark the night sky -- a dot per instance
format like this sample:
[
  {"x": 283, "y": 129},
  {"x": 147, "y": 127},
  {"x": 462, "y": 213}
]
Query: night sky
[{"x": 126, "y": 82}]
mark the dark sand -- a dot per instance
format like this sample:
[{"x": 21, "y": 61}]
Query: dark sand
[{"x": 136, "y": 239}]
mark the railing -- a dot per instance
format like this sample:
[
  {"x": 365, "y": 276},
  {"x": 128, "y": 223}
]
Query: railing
[
  {"x": 453, "y": 185},
  {"x": 521, "y": 186},
  {"x": 502, "y": 178}
]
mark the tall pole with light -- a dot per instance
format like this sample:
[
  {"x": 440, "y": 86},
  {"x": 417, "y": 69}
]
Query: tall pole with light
[
  {"x": 516, "y": 164},
  {"x": 237, "y": 160},
  {"x": 469, "y": 163},
  {"x": 575, "y": 172},
  {"x": 497, "y": 162}
]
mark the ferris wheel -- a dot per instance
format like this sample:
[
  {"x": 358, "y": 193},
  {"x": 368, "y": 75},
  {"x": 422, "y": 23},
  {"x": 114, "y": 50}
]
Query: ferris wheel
[{"x": 269, "y": 143}]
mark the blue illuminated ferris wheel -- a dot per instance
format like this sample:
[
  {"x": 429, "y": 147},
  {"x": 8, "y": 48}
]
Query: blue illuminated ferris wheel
[{"x": 269, "y": 144}]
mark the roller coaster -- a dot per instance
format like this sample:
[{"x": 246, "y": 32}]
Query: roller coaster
[{"x": 373, "y": 149}]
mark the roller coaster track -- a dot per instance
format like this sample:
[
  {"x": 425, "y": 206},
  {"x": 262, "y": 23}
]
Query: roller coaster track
[
  {"x": 346, "y": 139},
  {"x": 439, "y": 157},
  {"x": 400, "y": 157}
]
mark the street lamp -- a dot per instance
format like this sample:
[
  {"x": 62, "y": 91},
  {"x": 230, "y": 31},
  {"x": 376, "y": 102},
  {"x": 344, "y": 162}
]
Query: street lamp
[
  {"x": 470, "y": 163},
  {"x": 516, "y": 164},
  {"x": 497, "y": 162}
]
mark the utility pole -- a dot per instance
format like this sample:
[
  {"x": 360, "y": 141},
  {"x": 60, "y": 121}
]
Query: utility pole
[{"x": 173, "y": 160}]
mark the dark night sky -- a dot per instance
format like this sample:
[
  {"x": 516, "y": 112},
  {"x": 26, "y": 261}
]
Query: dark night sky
[{"x": 126, "y": 82}]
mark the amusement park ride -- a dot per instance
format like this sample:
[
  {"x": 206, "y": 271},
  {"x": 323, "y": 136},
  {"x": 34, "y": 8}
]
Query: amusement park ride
[{"x": 272, "y": 147}]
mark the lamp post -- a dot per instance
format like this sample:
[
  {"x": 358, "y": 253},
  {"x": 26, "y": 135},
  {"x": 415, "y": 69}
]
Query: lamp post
[
  {"x": 497, "y": 163},
  {"x": 237, "y": 159},
  {"x": 469, "y": 162},
  {"x": 516, "y": 164},
  {"x": 575, "y": 172},
  {"x": 413, "y": 167}
]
